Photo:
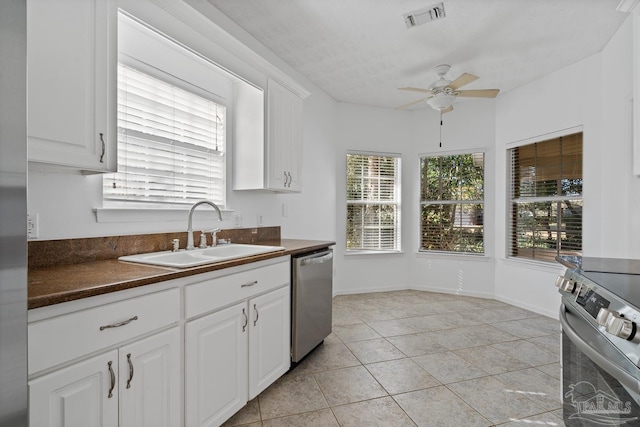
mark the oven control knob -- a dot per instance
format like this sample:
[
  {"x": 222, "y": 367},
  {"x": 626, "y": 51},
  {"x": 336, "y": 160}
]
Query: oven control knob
[
  {"x": 603, "y": 316},
  {"x": 620, "y": 327},
  {"x": 565, "y": 285}
]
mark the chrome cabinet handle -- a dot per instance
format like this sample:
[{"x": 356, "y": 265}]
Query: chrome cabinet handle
[
  {"x": 257, "y": 315},
  {"x": 246, "y": 285},
  {"x": 113, "y": 380},
  {"x": 117, "y": 325},
  {"x": 246, "y": 320},
  {"x": 103, "y": 147},
  {"x": 290, "y": 179},
  {"x": 130, "y": 370}
]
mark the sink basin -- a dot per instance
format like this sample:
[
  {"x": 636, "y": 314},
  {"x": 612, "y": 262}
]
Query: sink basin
[{"x": 196, "y": 257}]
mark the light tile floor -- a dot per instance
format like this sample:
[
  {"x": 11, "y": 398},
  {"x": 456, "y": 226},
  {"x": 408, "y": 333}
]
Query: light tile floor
[{"x": 408, "y": 358}]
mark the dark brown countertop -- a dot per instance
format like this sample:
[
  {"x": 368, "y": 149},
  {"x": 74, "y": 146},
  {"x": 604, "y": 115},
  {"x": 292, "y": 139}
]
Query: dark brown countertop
[{"x": 56, "y": 284}]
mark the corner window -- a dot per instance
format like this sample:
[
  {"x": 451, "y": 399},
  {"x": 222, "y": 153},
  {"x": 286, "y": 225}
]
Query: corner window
[
  {"x": 373, "y": 202},
  {"x": 452, "y": 203},
  {"x": 171, "y": 144},
  {"x": 545, "y": 209}
]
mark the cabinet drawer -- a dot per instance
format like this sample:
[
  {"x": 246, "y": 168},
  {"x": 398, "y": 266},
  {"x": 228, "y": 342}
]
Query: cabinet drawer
[
  {"x": 210, "y": 295},
  {"x": 59, "y": 339}
]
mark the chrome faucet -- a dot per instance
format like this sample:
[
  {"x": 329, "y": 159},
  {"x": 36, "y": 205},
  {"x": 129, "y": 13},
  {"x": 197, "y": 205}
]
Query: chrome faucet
[{"x": 190, "y": 245}]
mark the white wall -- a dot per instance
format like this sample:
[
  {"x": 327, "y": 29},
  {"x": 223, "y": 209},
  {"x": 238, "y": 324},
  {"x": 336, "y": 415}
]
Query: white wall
[
  {"x": 470, "y": 127},
  {"x": 65, "y": 202},
  {"x": 594, "y": 93},
  {"x": 412, "y": 133},
  {"x": 375, "y": 130}
]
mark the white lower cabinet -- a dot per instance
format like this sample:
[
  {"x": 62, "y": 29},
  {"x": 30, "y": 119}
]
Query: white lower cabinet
[
  {"x": 77, "y": 396},
  {"x": 150, "y": 381},
  {"x": 216, "y": 366},
  {"x": 124, "y": 359},
  {"x": 137, "y": 383},
  {"x": 235, "y": 352},
  {"x": 269, "y": 339}
]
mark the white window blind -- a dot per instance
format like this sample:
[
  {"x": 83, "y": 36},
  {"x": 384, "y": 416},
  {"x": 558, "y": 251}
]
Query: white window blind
[
  {"x": 546, "y": 199},
  {"x": 373, "y": 202},
  {"x": 452, "y": 203},
  {"x": 171, "y": 144}
]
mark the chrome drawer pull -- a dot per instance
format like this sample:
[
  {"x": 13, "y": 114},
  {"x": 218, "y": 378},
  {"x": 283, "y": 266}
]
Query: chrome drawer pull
[
  {"x": 130, "y": 370},
  {"x": 246, "y": 320},
  {"x": 117, "y": 325},
  {"x": 246, "y": 285},
  {"x": 113, "y": 380},
  {"x": 257, "y": 315},
  {"x": 103, "y": 147}
]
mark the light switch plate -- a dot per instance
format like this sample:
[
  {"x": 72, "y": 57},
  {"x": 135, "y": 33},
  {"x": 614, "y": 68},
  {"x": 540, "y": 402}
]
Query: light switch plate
[{"x": 32, "y": 226}]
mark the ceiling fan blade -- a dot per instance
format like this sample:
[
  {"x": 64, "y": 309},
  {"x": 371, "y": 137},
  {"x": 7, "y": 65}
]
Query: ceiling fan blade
[
  {"x": 415, "y": 89},
  {"x": 446, "y": 110},
  {"x": 464, "y": 79},
  {"x": 479, "y": 93},
  {"x": 410, "y": 104}
]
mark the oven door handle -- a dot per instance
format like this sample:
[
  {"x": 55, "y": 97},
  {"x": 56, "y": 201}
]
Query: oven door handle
[{"x": 615, "y": 370}]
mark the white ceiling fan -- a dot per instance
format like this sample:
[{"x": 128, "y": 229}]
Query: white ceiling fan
[{"x": 443, "y": 92}]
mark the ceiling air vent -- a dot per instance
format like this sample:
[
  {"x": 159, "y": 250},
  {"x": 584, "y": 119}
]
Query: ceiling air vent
[{"x": 424, "y": 15}]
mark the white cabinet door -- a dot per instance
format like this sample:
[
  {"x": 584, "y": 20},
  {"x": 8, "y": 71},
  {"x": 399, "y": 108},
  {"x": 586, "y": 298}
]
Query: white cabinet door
[
  {"x": 150, "y": 391},
  {"x": 71, "y": 63},
  {"x": 269, "y": 339},
  {"x": 216, "y": 366},
  {"x": 82, "y": 395},
  {"x": 284, "y": 136}
]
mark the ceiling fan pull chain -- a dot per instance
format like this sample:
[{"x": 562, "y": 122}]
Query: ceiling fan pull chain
[{"x": 440, "y": 128}]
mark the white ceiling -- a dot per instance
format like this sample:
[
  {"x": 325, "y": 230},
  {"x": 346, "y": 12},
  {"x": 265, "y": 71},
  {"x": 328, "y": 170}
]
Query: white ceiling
[{"x": 360, "y": 51}]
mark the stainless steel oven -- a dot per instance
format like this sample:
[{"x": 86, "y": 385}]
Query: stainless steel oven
[{"x": 600, "y": 342}]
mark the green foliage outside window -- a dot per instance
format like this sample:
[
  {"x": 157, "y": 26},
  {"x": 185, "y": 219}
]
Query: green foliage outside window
[{"x": 452, "y": 203}]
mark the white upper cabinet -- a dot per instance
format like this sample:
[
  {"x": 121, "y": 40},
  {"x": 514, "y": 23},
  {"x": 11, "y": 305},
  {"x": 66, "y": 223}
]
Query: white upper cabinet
[
  {"x": 71, "y": 67},
  {"x": 284, "y": 137},
  {"x": 268, "y": 138}
]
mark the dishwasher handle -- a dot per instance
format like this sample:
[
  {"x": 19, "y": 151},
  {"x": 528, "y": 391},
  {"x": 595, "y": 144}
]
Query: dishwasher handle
[{"x": 320, "y": 259}]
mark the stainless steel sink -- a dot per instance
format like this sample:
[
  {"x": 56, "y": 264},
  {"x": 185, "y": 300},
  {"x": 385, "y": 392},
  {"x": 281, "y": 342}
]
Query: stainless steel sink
[{"x": 196, "y": 257}]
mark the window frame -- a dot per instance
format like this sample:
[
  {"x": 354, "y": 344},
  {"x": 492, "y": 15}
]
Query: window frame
[
  {"x": 397, "y": 203},
  {"x": 510, "y": 226},
  {"x": 424, "y": 202}
]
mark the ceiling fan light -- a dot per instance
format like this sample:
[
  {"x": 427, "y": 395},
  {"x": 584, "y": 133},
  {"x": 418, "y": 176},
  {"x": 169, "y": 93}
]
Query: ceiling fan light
[{"x": 441, "y": 101}]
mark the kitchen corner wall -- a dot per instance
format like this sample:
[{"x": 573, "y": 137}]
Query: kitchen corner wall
[{"x": 411, "y": 134}]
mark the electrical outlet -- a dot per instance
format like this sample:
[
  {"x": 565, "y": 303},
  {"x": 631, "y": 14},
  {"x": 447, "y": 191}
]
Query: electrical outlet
[
  {"x": 32, "y": 226},
  {"x": 285, "y": 210}
]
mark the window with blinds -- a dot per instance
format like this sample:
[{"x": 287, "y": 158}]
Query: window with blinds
[
  {"x": 452, "y": 203},
  {"x": 546, "y": 199},
  {"x": 373, "y": 202},
  {"x": 171, "y": 144}
]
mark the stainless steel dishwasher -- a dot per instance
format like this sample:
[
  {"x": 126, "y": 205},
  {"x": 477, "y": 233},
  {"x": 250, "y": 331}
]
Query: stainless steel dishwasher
[{"x": 311, "y": 301}]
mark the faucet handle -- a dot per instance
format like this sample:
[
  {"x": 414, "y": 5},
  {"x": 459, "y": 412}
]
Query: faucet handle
[
  {"x": 214, "y": 237},
  {"x": 203, "y": 240}
]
